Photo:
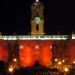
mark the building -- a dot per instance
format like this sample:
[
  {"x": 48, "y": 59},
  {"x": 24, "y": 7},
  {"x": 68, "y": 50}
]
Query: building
[{"x": 27, "y": 49}]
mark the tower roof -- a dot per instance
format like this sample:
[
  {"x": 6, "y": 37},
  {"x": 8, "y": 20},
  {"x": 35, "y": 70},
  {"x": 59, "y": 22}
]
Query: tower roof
[{"x": 37, "y": 3}]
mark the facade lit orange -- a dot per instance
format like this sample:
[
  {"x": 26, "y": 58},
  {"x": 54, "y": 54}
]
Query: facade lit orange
[
  {"x": 38, "y": 51},
  {"x": 32, "y": 51}
]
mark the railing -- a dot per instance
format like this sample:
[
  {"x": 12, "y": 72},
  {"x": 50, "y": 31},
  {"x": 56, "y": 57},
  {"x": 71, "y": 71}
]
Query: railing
[
  {"x": 73, "y": 36},
  {"x": 37, "y": 37}
]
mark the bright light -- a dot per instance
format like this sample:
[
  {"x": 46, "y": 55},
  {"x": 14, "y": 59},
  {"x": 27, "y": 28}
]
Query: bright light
[
  {"x": 36, "y": 46},
  {"x": 37, "y": 0},
  {"x": 50, "y": 46},
  {"x": 59, "y": 63},
  {"x": 66, "y": 69},
  {"x": 21, "y": 46},
  {"x": 51, "y": 67},
  {"x": 63, "y": 60},
  {"x": 15, "y": 59},
  {"x": 56, "y": 59},
  {"x": 10, "y": 69},
  {"x": 74, "y": 62}
]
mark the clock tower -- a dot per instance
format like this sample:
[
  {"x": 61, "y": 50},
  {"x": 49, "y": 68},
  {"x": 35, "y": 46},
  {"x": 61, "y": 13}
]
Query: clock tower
[{"x": 37, "y": 19}]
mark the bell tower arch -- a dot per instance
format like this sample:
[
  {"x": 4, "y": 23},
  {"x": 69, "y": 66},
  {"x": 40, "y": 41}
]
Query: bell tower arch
[{"x": 37, "y": 19}]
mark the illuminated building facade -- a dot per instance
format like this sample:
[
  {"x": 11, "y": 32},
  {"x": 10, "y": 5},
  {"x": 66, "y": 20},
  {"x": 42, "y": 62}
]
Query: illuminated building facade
[{"x": 26, "y": 50}]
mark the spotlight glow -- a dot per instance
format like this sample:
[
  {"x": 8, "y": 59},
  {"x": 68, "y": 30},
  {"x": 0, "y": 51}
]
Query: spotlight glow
[
  {"x": 66, "y": 69},
  {"x": 37, "y": 0},
  {"x": 56, "y": 59},
  {"x": 74, "y": 62},
  {"x": 15, "y": 59},
  {"x": 10, "y": 69},
  {"x": 59, "y": 63}
]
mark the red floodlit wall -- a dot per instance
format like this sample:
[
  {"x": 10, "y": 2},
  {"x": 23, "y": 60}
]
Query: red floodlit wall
[
  {"x": 69, "y": 51},
  {"x": 3, "y": 51},
  {"x": 37, "y": 50},
  {"x": 31, "y": 51},
  {"x": 26, "y": 54},
  {"x": 72, "y": 53}
]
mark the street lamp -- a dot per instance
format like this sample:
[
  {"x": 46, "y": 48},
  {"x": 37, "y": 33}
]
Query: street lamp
[
  {"x": 56, "y": 62},
  {"x": 56, "y": 59},
  {"x": 63, "y": 61},
  {"x": 73, "y": 62},
  {"x": 11, "y": 70},
  {"x": 14, "y": 59},
  {"x": 14, "y": 62},
  {"x": 66, "y": 70},
  {"x": 59, "y": 63}
]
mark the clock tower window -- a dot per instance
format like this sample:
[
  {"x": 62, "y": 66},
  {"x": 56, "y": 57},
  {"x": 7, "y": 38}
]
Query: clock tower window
[
  {"x": 37, "y": 27},
  {"x": 37, "y": 14}
]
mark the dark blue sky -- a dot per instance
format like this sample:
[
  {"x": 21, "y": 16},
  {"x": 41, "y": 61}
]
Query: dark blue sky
[{"x": 15, "y": 16}]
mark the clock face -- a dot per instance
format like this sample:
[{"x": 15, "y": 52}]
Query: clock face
[{"x": 37, "y": 20}]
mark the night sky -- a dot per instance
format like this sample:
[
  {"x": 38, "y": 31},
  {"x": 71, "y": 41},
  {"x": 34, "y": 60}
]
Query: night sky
[{"x": 15, "y": 17}]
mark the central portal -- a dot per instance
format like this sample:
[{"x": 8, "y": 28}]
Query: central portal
[
  {"x": 35, "y": 50},
  {"x": 36, "y": 64}
]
